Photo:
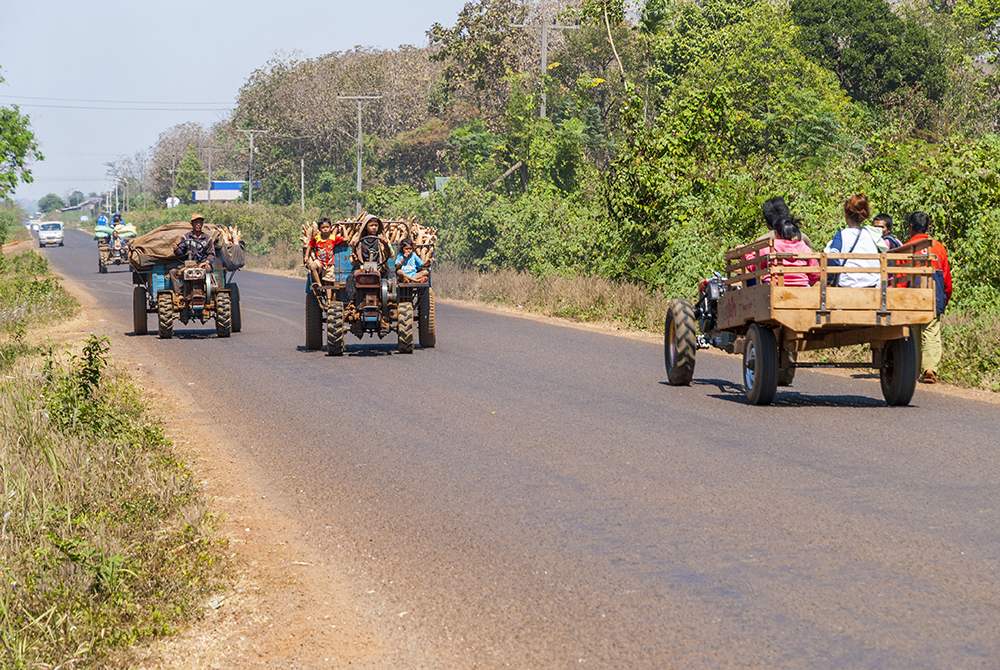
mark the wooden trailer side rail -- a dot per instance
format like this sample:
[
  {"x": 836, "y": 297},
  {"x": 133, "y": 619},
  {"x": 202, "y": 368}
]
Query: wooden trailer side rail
[{"x": 904, "y": 294}]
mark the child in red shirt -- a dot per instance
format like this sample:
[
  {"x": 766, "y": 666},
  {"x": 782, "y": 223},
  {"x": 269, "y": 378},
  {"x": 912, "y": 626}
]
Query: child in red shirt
[{"x": 319, "y": 253}]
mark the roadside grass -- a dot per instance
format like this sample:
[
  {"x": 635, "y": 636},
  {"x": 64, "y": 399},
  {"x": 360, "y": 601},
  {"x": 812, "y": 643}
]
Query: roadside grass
[
  {"x": 18, "y": 234},
  {"x": 104, "y": 540}
]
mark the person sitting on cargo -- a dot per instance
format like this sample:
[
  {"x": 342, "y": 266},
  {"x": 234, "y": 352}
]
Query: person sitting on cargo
[
  {"x": 196, "y": 246},
  {"x": 319, "y": 253},
  {"x": 857, "y": 238},
  {"x": 409, "y": 266}
]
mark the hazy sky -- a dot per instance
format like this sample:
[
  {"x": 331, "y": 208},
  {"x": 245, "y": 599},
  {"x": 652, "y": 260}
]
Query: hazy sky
[{"x": 193, "y": 54}]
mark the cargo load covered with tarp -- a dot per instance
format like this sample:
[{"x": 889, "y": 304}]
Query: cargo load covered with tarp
[
  {"x": 157, "y": 246},
  {"x": 103, "y": 231}
]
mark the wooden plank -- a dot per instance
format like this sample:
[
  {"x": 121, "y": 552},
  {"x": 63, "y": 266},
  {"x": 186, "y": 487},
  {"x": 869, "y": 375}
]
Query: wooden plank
[
  {"x": 737, "y": 308},
  {"x": 846, "y": 338}
]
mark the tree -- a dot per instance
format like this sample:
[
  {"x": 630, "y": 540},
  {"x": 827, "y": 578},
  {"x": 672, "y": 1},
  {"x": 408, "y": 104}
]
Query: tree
[
  {"x": 190, "y": 176},
  {"x": 17, "y": 147},
  {"x": 872, "y": 51},
  {"x": 75, "y": 198},
  {"x": 480, "y": 49},
  {"x": 50, "y": 203}
]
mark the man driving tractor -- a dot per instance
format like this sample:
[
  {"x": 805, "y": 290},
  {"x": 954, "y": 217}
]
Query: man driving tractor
[{"x": 196, "y": 246}]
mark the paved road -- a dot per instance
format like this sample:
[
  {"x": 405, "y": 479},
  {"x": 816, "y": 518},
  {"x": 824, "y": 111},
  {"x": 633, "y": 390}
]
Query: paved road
[{"x": 537, "y": 496}]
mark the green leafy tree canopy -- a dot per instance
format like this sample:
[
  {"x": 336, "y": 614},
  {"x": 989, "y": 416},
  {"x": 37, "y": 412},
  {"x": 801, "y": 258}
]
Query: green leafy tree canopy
[
  {"x": 873, "y": 51},
  {"x": 17, "y": 147},
  {"x": 50, "y": 203},
  {"x": 190, "y": 176}
]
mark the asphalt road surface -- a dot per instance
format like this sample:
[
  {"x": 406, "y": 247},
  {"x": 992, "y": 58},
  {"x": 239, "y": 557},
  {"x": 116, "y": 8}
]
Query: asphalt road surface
[{"x": 536, "y": 496}]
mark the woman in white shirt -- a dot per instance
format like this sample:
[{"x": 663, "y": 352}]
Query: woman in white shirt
[{"x": 857, "y": 239}]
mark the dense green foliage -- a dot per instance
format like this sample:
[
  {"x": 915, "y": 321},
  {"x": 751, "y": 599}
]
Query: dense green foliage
[{"x": 17, "y": 148}]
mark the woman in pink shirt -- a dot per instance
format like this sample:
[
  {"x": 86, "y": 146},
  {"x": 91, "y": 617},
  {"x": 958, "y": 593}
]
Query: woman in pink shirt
[{"x": 787, "y": 241}]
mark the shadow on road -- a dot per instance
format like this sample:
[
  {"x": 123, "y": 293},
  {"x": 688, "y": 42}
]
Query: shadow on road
[{"x": 732, "y": 392}]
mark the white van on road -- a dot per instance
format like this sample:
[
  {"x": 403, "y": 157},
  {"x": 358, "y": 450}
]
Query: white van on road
[{"x": 50, "y": 232}]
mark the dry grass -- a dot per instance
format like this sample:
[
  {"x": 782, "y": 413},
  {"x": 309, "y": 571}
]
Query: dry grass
[
  {"x": 590, "y": 299},
  {"x": 282, "y": 256}
]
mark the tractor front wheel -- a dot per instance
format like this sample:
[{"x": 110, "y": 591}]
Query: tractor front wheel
[
  {"x": 680, "y": 342},
  {"x": 234, "y": 300},
  {"x": 404, "y": 328},
  {"x": 335, "y": 329},
  {"x": 165, "y": 314}
]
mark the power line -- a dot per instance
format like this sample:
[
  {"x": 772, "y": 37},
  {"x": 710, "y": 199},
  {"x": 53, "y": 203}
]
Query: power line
[
  {"x": 119, "y": 102},
  {"x": 134, "y": 109}
]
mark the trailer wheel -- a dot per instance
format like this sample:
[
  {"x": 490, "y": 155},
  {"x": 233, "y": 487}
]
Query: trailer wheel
[
  {"x": 680, "y": 342},
  {"x": 760, "y": 365},
  {"x": 427, "y": 331},
  {"x": 140, "y": 324},
  {"x": 899, "y": 371},
  {"x": 404, "y": 328},
  {"x": 314, "y": 323},
  {"x": 165, "y": 314},
  {"x": 335, "y": 329},
  {"x": 234, "y": 300},
  {"x": 223, "y": 315}
]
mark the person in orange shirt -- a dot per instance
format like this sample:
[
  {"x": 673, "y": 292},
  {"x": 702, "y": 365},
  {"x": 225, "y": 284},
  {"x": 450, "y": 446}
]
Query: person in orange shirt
[
  {"x": 319, "y": 253},
  {"x": 930, "y": 335}
]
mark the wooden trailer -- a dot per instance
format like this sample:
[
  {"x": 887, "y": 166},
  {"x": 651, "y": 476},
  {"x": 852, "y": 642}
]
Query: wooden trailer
[{"x": 756, "y": 314}]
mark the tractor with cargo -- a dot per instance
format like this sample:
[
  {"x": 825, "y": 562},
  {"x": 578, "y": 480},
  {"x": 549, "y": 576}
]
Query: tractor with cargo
[
  {"x": 381, "y": 303},
  {"x": 205, "y": 294}
]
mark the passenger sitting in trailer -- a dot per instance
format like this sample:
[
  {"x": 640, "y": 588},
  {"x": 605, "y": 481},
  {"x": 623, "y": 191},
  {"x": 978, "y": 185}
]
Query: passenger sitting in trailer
[
  {"x": 369, "y": 245},
  {"x": 409, "y": 267},
  {"x": 787, "y": 241},
  {"x": 320, "y": 252}
]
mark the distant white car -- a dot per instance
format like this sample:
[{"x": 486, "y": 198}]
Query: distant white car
[{"x": 50, "y": 232}]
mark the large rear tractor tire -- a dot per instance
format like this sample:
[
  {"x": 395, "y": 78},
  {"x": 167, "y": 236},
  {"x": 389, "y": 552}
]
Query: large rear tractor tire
[
  {"x": 426, "y": 328},
  {"x": 680, "y": 342},
  {"x": 223, "y": 315},
  {"x": 234, "y": 299},
  {"x": 760, "y": 365},
  {"x": 335, "y": 329},
  {"x": 140, "y": 324},
  {"x": 165, "y": 314},
  {"x": 314, "y": 323},
  {"x": 899, "y": 371},
  {"x": 102, "y": 264},
  {"x": 404, "y": 328}
]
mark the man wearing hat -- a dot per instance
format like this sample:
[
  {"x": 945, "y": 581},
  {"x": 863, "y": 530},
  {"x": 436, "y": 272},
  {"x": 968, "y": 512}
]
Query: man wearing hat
[{"x": 195, "y": 246}]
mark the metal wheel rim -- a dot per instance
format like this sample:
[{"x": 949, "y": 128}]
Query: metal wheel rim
[{"x": 749, "y": 371}]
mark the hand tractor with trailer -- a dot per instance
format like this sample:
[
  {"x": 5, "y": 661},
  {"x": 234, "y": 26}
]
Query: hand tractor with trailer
[
  {"x": 769, "y": 322},
  {"x": 205, "y": 294},
  {"x": 382, "y": 304},
  {"x": 106, "y": 253}
]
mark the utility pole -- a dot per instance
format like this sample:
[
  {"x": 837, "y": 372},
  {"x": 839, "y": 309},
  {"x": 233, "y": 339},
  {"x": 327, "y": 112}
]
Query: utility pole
[
  {"x": 359, "y": 98},
  {"x": 302, "y": 167},
  {"x": 545, "y": 28},
  {"x": 250, "y": 134}
]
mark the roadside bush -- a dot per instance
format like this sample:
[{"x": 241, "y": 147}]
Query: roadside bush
[{"x": 104, "y": 539}]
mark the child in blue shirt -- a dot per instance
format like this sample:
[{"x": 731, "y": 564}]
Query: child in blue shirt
[{"x": 408, "y": 264}]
